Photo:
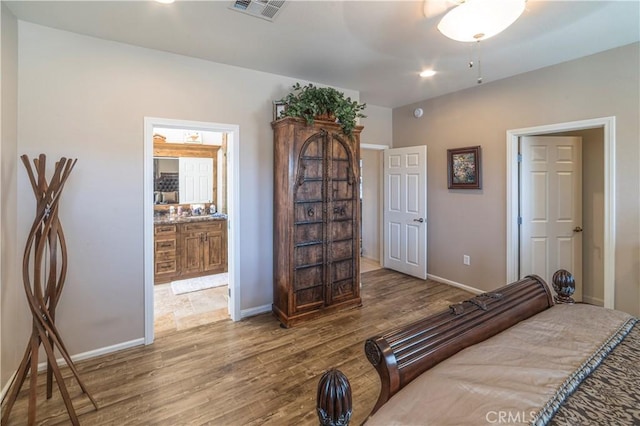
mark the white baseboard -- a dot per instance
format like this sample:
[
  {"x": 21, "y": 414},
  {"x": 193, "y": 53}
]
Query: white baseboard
[
  {"x": 455, "y": 284},
  {"x": 255, "y": 311},
  {"x": 81, "y": 356},
  {"x": 592, "y": 300},
  {"x": 96, "y": 352}
]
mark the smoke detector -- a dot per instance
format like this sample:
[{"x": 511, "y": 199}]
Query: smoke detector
[{"x": 263, "y": 9}]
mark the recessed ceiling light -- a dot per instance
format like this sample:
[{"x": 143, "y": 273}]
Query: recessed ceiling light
[
  {"x": 427, "y": 73},
  {"x": 165, "y": 1}
]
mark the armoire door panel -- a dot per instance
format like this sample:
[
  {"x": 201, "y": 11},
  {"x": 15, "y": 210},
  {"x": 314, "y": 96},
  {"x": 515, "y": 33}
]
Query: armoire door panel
[
  {"x": 308, "y": 212},
  {"x": 341, "y": 270},
  {"x": 312, "y": 145},
  {"x": 341, "y": 170},
  {"x": 309, "y": 254},
  {"x": 309, "y": 191},
  {"x": 342, "y": 290},
  {"x": 340, "y": 230},
  {"x": 339, "y": 151},
  {"x": 342, "y": 190},
  {"x": 342, "y": 250},
  {"x": 308, "y": 299},
  {"x": 342, "y": 210},
  {"x": 307, "y": 232},
  {"x": 311, "y": 168},
  {"x": 308, "y": 277}
]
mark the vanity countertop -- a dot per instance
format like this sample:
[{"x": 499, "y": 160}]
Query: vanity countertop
[{"x": 166, "y": 220}]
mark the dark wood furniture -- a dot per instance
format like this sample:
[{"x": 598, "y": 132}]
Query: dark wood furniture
[
  {"x": 316, "y": 219},
  {"x": 402, "y": 354},
  {"x": 189, "y": 249},
  {"x": 165, "y": 259},
  {"x": 203, "y": 248}
]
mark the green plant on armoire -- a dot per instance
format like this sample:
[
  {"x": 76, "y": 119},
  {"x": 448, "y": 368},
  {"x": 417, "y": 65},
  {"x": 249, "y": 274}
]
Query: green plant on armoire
[{"x": 312, "y": 102}]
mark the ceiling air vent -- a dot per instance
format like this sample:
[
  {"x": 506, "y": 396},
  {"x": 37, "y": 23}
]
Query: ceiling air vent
[{"x": 264, "y": 9}]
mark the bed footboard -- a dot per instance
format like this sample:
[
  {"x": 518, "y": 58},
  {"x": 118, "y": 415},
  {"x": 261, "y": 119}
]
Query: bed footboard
[{"x": 401, "y": 355}]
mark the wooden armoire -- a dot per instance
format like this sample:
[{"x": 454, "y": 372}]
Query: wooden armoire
[{"x": 316, "y": 219}]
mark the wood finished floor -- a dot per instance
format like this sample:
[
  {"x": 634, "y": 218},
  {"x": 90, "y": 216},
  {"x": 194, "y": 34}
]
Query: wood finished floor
[{"x": 247, "y": 373}]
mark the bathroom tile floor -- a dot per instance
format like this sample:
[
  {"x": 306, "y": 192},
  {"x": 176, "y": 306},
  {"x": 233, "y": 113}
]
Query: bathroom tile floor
[{"x": 179, "y": 312}]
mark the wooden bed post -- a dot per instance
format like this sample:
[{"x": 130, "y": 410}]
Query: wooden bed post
[
  {"x": 565, "y": 285},
  {"x": 333, "y": 403}
]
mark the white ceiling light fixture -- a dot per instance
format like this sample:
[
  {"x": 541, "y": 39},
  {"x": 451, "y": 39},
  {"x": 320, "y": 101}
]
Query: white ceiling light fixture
[
  {"x": 475, "y": 20},
  {"x": 165, "y": 1},
  {"x": 427, "y": 73}
]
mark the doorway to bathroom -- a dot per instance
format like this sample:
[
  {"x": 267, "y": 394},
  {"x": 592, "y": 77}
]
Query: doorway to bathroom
[{"x": 190, "y": 225}]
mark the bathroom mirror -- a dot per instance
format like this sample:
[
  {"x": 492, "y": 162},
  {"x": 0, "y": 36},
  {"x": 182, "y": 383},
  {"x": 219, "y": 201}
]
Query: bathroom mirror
[{"x": 183, "y": 180}]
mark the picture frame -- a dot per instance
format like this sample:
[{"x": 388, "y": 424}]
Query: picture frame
[
  {"x": 192, "y": 136},
  {"x": 464, "y": 168},
  {"x": 279, "y": 108}
]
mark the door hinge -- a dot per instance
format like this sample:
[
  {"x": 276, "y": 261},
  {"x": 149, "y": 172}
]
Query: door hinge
[
  {"x": 519, "y": 220},
  {"x": 519, "y": 158},
  {"x": 229, "y": 291}
]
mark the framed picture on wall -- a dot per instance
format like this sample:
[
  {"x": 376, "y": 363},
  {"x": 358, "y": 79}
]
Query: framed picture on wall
[
  {"x": 464, "y": 168},
  {"x": 278, "y": 109}
]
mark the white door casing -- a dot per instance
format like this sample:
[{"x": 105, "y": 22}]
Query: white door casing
[
  {"x": 233, "y": 209},
  {"x": 405, "y": 210},
  {"x": 551, "y": 207}
]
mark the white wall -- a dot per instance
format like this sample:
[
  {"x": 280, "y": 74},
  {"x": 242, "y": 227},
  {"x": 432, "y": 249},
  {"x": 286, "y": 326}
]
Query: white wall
[
  {"x": 86, "y": 98},
  {"x": 15, "y": 320}
]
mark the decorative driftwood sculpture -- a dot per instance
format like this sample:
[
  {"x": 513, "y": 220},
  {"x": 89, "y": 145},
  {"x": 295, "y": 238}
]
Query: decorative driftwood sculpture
[{"x": 46, "y": 253}]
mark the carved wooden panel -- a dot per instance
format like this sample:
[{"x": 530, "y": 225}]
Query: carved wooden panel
[{"x": 316, "y": 219}]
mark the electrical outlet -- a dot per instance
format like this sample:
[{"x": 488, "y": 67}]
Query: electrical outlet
[{"x": 466, "y": 260}]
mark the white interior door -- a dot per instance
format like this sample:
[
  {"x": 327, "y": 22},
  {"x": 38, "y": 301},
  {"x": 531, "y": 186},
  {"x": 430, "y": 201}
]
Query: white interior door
[
  {"x": 196, "y": 180},
  {"x": 405, "y": 210},
  {"x": 551, "y": 207}
]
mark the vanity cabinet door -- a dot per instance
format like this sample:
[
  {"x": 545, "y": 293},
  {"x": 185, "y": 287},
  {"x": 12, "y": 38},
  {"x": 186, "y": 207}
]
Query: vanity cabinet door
[
  {"x": 204, "y": 248},
  {"x": 215, "y": 250},
  {"x": 192, "y": 251}
]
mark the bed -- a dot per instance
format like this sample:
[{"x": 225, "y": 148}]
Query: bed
[{"x": 517, "y": 355}]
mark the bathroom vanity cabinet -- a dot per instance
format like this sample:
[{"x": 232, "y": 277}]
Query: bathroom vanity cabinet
[{"x": 189, "y": 248}]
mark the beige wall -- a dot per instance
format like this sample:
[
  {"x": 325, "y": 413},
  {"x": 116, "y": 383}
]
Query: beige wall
[
  {"x": 377, "y": 131},
  {"x": 377, "y": 126},
  {"x": 371, "y": 202},
  {"x": 15, "y": 318},
  {"x": 474, "y": 222},
  {"x": 86, "y": 98}
]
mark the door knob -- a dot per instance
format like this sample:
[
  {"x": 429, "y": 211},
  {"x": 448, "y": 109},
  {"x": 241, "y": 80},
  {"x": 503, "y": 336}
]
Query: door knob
[
  {"x": 419, "y": 220},
  {"x": 577, "y": 229}
]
